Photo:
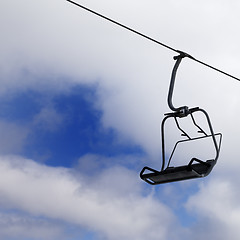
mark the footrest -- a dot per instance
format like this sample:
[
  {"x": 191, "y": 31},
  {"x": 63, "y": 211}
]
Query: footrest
[{"x": 173, "y": 174}]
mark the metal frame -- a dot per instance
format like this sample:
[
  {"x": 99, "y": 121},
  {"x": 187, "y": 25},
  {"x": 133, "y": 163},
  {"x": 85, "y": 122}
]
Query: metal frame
[{"x": 212, "y": 135}]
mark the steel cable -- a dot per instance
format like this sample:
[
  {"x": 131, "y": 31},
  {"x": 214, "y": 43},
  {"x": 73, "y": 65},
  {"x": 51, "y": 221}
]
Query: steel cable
[{"x": 153, "y": 40}]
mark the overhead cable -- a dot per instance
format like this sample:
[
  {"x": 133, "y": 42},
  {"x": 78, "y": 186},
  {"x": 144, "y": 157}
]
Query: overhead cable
[{"x": 152, "y": 39}]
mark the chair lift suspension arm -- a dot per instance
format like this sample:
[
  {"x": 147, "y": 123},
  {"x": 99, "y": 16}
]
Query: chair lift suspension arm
[{"x": 181, "y": 110}]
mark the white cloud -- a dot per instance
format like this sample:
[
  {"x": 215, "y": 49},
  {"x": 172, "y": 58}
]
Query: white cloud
[
  {"x": 22, "y": 227},
  {"x": 217, "y": 205},
  {"x": 56, "y": 193},
  {"x": 110, "y": 203}
]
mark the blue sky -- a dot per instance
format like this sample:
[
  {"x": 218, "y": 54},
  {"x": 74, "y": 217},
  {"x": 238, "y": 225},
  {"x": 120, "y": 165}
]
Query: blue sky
[
  {"x": 76, "y": 129},
  {"x": 81, "y": 104}
]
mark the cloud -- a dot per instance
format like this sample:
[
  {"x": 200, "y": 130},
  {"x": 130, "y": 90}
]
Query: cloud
[
  {"x": 22, "y": 227},
  {"x": 56, "y": 193},
  {"x": 217, "y": 206},
  {"x": 111, "y": 203}
]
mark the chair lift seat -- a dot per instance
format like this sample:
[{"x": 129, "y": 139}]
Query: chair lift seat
[{"x": 173, "y": 174}]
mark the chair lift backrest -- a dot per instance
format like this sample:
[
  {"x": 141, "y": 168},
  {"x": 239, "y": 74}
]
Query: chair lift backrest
[{"x": 211, "y": 135}]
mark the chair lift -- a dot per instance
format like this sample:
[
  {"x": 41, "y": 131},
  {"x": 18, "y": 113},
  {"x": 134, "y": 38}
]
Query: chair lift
[{"x": 196, "y": 168}]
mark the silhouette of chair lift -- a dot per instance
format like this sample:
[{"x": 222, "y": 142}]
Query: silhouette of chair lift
[{"x": 196, "y": 168}]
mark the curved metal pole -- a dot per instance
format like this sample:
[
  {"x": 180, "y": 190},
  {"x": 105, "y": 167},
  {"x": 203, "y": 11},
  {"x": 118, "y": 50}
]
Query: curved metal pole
[{"x": 172, "y": 83}]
